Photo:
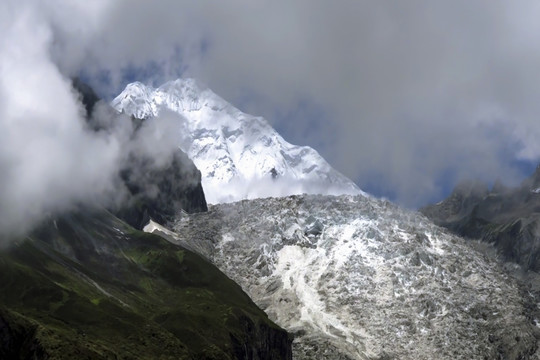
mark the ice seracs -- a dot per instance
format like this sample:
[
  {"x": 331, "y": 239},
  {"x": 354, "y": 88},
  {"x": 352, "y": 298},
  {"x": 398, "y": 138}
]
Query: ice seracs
[
  {"x": 239, "y": 155},
  {"x": 359, "y": 278}
]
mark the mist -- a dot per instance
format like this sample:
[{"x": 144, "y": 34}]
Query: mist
[
  {"x": 51, "y": 158},
  {"x": 406, "y": 98}
]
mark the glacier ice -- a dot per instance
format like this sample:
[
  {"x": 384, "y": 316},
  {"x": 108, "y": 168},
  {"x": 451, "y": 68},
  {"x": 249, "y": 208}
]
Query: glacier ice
[{"x": 373, "y": 282}]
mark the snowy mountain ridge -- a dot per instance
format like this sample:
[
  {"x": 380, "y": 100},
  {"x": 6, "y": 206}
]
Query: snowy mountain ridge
[{"x": 239, "y": 155}]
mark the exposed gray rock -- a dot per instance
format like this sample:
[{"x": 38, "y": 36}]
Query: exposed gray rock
[{"x": 508, "y": 218}]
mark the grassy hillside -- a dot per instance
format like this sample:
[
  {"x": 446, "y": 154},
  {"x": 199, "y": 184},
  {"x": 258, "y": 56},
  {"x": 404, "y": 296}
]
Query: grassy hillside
[{"x": 88, "y": 286}]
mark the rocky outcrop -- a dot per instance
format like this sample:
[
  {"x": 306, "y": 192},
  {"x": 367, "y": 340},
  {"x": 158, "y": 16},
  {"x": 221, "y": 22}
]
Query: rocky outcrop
[
  {"x": 18, "y": 339},
  {"x": 153, "y": 192},
  {"x": 87, "y": 96},
  {"x": 508, "y": 218},
  {"x": 261, "y": 341},
  {"x": 161, "y": 193}
]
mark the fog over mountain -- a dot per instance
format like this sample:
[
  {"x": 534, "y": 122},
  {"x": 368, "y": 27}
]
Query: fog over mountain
[
  {"x": 50, "y": 158},
  {"x": 402, "y": 98}
]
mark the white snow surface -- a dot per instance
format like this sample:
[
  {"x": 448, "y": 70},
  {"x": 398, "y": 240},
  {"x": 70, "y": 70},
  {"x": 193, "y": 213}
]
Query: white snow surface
[
  {"x": 235, "y": 152},
  {"x": 359, "y": 278}
]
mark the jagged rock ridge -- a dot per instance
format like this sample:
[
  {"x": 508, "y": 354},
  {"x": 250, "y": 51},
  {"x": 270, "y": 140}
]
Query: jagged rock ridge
[{"x": 509, "y": 218}]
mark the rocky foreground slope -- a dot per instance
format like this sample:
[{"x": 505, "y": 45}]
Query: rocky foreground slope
[{"x": 359, "y": 278}]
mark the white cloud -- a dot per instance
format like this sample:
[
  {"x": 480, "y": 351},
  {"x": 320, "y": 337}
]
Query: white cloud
[
  {"x": 49, "y": 158},
  {"x": 409, "y": 92}
]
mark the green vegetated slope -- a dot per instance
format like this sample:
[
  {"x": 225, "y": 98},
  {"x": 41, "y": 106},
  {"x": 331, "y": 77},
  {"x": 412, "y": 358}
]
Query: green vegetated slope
[{"x": 89, "y": 286}]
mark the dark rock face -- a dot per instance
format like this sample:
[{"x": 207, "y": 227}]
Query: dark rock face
[
  {"x": 159, "y": 194},
  {"x": 18, "y": 340},
  {"x": 154, "y": 192},
  {"x": 507, "y": 218},
  {"x": 87, "y": 95},
  {"x": 261, "y": 342}
]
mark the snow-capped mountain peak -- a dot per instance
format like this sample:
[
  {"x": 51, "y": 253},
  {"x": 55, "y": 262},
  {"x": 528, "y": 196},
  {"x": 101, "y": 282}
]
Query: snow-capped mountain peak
[{"x": 240, "y": 156}]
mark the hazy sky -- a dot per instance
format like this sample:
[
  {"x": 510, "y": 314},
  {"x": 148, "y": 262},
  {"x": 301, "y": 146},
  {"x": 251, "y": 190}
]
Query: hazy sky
[{"x": 404, "y": 97}]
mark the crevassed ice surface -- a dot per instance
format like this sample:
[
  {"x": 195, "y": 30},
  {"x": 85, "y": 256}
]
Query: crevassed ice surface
[
  {"x": 358, "y": 278},
  {"x": 239, "y": 155}
]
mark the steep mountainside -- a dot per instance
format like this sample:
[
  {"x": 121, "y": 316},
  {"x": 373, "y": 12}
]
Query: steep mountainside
[
  {"x": 360, "y": 278},
  {"x": 160, "y": 193},
  {"x": 507, "y": 217},
  {"x": 240, "y": 156},
  {"x": 86, "y": 285},
  {"x": 153, "y": 190}
]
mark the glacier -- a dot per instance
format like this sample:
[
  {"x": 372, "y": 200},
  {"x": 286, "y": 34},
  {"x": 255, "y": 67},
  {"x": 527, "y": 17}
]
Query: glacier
[
  {"x": 353, "y": 277},
  {"x": 240, "y": 156}
]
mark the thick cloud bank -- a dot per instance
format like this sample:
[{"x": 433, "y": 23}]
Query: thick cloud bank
[
  {"x": 50, "y": 158},
  {"x": 409, "y": 96}
]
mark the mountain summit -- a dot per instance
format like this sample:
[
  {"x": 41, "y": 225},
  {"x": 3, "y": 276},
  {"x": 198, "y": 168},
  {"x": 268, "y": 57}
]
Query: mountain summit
[{"x": 239, "y": 155}]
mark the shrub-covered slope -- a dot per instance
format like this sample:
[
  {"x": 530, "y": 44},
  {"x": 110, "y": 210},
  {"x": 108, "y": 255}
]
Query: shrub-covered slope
[{"x": 87, "y": 285}]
